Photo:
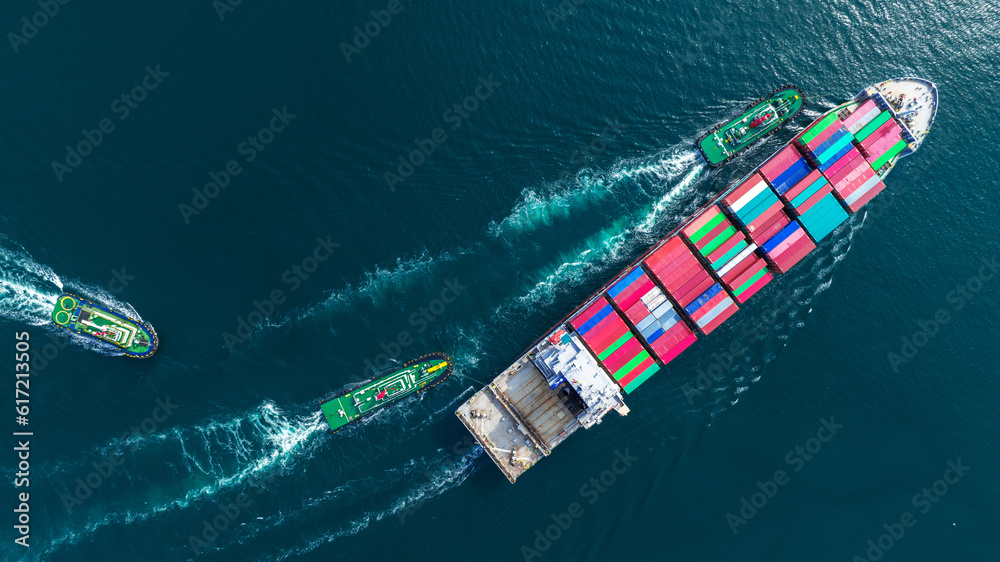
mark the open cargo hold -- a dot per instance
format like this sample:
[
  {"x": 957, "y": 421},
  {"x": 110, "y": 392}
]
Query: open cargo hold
[
  {"x": 610, "y": 339},
  {"x": 690, "y": 285},
  {"x": 652, "y": 314}
]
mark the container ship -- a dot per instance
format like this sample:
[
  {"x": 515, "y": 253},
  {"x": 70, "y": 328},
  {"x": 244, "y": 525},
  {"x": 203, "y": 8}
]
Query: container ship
[
  {"x": 134, "y": 338},
  {"x": 416, "y": 375},
  {"x": 758, "y": 120},
  {"x": 697, "y": 277}
]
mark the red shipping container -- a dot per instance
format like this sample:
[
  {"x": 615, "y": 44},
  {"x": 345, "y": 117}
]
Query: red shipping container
[
  {"x": 691, "y": 291},
  {"x": 666, "y": 253},
  {"x": 765, "y": 234},
  {"x": 704, "y": 218},
  {"x": 724, "y": 249},
  {"x": 638, "y": 370},
  {"x": 765, "y": 218},
  {"x": 672, "y": 337},
  {"x": 779, "y": 163},
  {"x": 733, "y": 274},
  {"x": 845, "y": 160},
  {"x": 787, "y": 259},
  {"x": 599, "y": 340},
  {"x": 747, "y": 274},
  {"x": 668, "y": 355},
  {"x": 588, "y": 313},
  {"x": 634, "y": 292},
  {"x": 820, "y": 193},
  {"x": 718, "y": 320},
  {"x": 802, "y": 185},
  {"x": 623, "y": 355},
  {"x": 637, "y": 312},
  {"x": 864, "y": 199},
  {"x": 743, "y": 188},
  {"x": 824, "y": 136},
  {"x": 675, "y": 278},
  {"x": 883, "y": 130},
  {"x": 885, "y": 143},
  {"x": 752, "y": 289}
]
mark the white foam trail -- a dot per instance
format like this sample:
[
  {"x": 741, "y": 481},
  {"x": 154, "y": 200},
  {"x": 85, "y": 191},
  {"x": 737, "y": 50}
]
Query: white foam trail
[
  {"x": 28, "y": 290},
  {"x": 594, "y": 255},
  {"x": 448, "y": 478},
  {"x": 381, "y": 285},
  {"x": 261, "y": 441},
  {"x": 538, "y": 207}
]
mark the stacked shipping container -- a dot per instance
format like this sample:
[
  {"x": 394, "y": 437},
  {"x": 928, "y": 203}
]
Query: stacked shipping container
[
  {"x": 610, "y": 339},
  {"x": 652, "y": 314},
  {"x": 813, "y": 202},
  {"x": 825, "y": 142},
  {"x": 832, "y": 159},
  {"x": 729, "y": 252},
  {"x": 757, "y": 208},
  {"x": 684, "y": 279},
  {"x": 715, "y": 237}
]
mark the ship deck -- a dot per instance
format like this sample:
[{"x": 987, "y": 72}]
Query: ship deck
[{"x": 517, "y": 418}]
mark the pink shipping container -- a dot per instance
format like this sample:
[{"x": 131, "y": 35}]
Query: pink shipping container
[
  {"x": 779, "y": 163},
  {"x": 846, "y": 159},
  {"x": 861, "y": 111}
]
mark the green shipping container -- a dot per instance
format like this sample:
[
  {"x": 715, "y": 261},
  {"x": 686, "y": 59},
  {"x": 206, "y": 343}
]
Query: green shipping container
[
  {"x": 871, "y": 127},
  {"x": 641, "y": 378},
  {"x": 818, "y": 128},
  {"x": 896, "y": 149}
]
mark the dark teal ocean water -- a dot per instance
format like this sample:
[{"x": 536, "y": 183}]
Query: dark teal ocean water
[{"x": 571, "y": 157}]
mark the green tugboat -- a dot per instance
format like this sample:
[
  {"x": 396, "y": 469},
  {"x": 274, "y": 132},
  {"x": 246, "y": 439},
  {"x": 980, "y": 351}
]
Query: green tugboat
[
  {"x": 416, "y": 375},
  {"x": 135, "y": 339},
  {"x": 760, "y": 119}
]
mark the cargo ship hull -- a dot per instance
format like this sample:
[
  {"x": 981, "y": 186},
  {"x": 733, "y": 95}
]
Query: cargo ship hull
[
  {"x": 415, "y": 376},
  {"x": 133, "y": 338},
  {"x": 757, "y": 121},
  {"x": 696, "y": 278}
]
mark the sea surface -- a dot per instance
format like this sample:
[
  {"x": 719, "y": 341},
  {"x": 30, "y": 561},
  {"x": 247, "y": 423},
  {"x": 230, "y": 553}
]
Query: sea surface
[{"x": 231, "y": 172}]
